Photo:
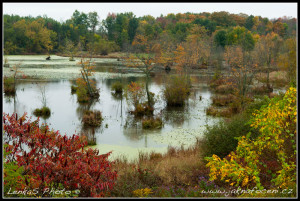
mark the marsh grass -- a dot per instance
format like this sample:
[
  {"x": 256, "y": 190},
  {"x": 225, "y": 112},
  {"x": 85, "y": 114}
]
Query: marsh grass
[
  {"x": 223, "y": 100},
  {"x": 92, "y": 118},
  {"x": 178, "y": 168},
  {"x": 177, "y": 90},
  {"x": 277, "y": 78},
  {"x": 117, "y": 87},
  {"x": 152, "y": 123},
  {"x": 44, "y": 112},
  {"x": 9, "y": 86}
]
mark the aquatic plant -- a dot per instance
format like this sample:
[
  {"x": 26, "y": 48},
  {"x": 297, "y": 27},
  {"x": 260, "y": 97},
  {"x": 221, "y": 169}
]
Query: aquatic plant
[
  {"x": 177, "y": 90},
  {"x": 44, "y": 112},
  {"x": 117, "y": 87},
  {"x": 9, "y": 85},
  {"x": 152, "y": 123},
  {"x": 87, "y": 70},
  {"x": 222, "y": 100},
  {"x": 135, "y": 94},
  {"x": 92, "y": 118}
]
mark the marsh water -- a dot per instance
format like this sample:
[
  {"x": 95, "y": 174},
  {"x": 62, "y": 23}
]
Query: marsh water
[{"x": 120, "y": 132}]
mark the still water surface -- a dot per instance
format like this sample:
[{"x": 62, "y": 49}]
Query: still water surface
[{"x": 119, "y": 132}]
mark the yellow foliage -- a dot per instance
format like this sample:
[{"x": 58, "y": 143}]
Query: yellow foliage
[
  {"x": 142, "y": 192},
  {"x": 277, "y": 124}
]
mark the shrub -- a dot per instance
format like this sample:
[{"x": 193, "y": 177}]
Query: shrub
[
  {"x": 9, "y": 85},
  {"x": 219, "y": 139},
  {"x": 268, "y": 160},
  {"x": 51, "y": 160},
  {"x": 117, "y": 87},
  {"x": 13, "y": 176},
  {"x": 152, "y": 123},
  {"x": 176, "y": 91},
  {"x": 92, "y": 118}
]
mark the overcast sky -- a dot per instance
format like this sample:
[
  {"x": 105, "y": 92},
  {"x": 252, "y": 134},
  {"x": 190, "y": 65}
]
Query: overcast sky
[{"x": 63, "y": 11}]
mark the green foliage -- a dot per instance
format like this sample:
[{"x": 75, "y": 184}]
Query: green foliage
[
  {"x": 44, "y": 112},
  {"x": 220, "y": 139},
  {"x": 269, "y": 160},
  {"x": 241, "y": 36},
  {"x": 249, "y": 22},
  {"x": 223, "y": 19},
  {"x": 82, "y": 94},
  {"x": 42, "y": 34},
  {"x": 208, "y": 24},
  {"x": 117, "y": 87},
  {"x": 13, "y": 179},
  {"x": 103, "y": 47},
  {"x": 220, "y": 38},
  {"x": 9, "y": 85}
]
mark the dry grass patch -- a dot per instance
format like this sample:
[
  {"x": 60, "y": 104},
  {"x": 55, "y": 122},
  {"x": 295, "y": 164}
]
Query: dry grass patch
[{"x": 277, "y": 78}]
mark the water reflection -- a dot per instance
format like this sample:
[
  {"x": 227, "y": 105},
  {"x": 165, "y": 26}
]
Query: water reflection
[{"x": 122, "y": 128}]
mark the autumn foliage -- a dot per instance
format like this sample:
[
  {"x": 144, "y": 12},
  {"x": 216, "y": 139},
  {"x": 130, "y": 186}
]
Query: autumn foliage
[
  {"x": 50, "y": 160},
  {"x": 269, "y": 160}
]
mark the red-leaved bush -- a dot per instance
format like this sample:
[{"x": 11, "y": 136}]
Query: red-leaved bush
[{"x": 51, "y": 160}]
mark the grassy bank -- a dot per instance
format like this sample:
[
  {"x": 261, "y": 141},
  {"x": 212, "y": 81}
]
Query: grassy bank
[{"x": 186, "y": 173}]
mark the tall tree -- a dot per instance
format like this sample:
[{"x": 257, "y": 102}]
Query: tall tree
[
  {"x": 93, "y": 21},
  {"x": 268, "y": 50}
]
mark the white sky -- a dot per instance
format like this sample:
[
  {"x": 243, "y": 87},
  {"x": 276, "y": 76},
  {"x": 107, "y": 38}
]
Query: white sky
[{"x": 64, "y": 11}]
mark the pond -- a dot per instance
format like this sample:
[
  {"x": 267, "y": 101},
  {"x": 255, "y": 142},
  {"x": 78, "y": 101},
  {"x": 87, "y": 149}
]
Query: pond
[{"x": 120, "y": 132}]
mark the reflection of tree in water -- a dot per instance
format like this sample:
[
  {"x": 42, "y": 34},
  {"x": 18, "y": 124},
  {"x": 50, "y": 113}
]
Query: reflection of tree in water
[
  {"x": 176, "y": 115},
  {"x": 88, "y": 132},
  {"x": 82, "y": 107},
  {"x": 10, "y": 97},
  {"x": 124, "y": 80},
  {"x": 133, "y": 128}
]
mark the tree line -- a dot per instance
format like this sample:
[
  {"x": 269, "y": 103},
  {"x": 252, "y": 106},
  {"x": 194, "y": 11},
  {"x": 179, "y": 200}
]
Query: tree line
[{"x": 125, "y": 31}]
